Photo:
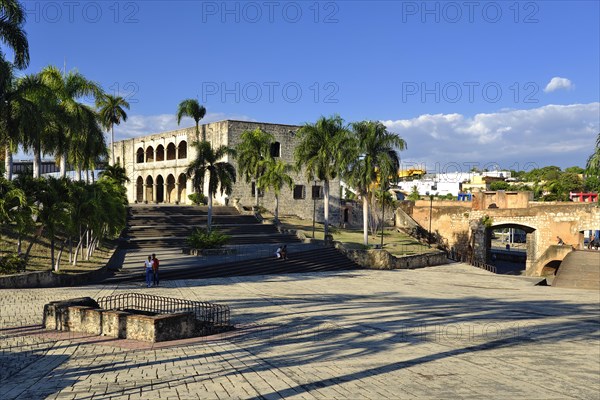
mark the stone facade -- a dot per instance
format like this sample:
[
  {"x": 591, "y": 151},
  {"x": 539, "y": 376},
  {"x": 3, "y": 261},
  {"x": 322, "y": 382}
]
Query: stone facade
[
  {"x": 156, "y": 164},
  {"x": 458, "y": 224}
]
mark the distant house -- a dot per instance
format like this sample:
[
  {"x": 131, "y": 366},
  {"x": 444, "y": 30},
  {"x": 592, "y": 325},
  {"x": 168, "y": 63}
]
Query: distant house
[{"x": 581, "y": 197}]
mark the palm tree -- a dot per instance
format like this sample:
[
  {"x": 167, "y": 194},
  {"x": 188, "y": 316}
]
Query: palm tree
[
  {"x": 54, "y": 210},
  {"x": 12, "y": 19},
  {"x": 275, "y": 177},
  {"x": 253, "y": 149},
  {"x": 12, "y": 34},
  {"x": 78, "y": 119},
  {"x": 19, "y": 115},
  {"x": 221, "y": 174},
  {"x": 44, "y": 116},
  {"x": 115, "y": 173},
  {"x": 192, "y": 108},
  {"x": 593, "y": 163},
  {"x": 111, "y": 111},
  {"x": 377, "y": 153},
  {"x": 325, "y": 148}
]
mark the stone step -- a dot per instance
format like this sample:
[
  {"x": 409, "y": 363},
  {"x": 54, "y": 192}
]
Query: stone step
[{"x": 319, "y": 260}]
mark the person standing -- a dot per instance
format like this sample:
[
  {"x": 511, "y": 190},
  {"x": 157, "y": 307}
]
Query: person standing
[
  {"x": 148, "y": 265},
  {"x": 155, "y": 264}
]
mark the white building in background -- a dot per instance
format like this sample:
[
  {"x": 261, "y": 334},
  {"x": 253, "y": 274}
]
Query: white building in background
[{"x": 452, "y": 183}]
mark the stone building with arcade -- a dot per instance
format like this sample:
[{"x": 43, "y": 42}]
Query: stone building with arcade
[{"x": 156, "y": 165}]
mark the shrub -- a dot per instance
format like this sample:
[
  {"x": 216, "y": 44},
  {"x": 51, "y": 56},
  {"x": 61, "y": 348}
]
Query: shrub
[
  {"x": 198, "y": 199},
  {"x": 12, "y": 263},
  {"x": 202, "y": 239}
]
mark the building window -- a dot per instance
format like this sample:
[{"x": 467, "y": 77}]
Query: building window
[
  {"x": 317, "y": 192},
  {"x": 171, "y": 154},
  {"x": 182, "y": 149},
  {"x": 140, "y": 156},
  {"x": 150, "y": 154},
  {"x": 160, "y": 153},
  {"x": 275, "y": 149},
  {"x": 299, "y": 192}
]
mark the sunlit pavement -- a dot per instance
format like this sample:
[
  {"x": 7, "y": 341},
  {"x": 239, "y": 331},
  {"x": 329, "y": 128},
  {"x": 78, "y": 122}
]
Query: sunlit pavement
[{"x": 442, "y": 332}]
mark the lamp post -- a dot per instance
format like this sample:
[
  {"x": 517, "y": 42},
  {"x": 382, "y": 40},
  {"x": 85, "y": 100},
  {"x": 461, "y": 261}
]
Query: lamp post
[
  {"x": 382, "y": 211},
  {"x": 430, "y": 212},
  {"x": 314, "y": 207}
]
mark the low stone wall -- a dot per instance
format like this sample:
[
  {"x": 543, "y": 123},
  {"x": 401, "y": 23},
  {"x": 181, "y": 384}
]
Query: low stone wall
[
  {"x": 47, "y": 279},
  {"x": 83, "y": 316},
  {"x": 381, "y": 259}
]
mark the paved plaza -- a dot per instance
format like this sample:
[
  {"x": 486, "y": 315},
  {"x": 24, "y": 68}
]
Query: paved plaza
[{"x": 445, "y": 332}]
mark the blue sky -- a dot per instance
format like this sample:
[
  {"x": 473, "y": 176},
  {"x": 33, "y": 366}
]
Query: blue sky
[{"x": 511, "y": 83}]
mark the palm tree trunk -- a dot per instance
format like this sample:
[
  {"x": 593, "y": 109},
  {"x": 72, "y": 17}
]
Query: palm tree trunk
[
  {"x": 326, "y": 208},
  {"x": 60, "y": 253},
  {"x": 276, "y": 207},
  {"x": 209, "y": 218},
  {"x": 63, "y": 166},
  {"x": 365, "y": 219},
  {"x": 8, "y": 162},
  {"x": 34, "y": 239},
  {"x": 37, "y": 161},
  {"x": 256, "y": 192},
  {"x": 112, "y": 144},
  {"x": 52, "y": 249},
  {"x": 79, "y": 245}
]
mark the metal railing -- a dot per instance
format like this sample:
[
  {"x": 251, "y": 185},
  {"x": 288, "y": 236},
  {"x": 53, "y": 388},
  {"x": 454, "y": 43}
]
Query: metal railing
[
  {"x": 216, "y": 315},
  {"x": 461, "y": 257}
]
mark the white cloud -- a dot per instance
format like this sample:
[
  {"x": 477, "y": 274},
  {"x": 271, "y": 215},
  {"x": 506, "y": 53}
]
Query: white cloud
[
  {"x": 562, "y": 135},
  {"x": 557, "y": 83},
  {"x": 142, "y": 125}
]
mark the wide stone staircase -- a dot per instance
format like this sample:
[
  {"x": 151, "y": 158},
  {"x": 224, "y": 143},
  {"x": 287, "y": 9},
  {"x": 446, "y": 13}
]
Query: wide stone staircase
[
  {"x": 167, "y": 226},
  {"x": 163, "y": 229}
]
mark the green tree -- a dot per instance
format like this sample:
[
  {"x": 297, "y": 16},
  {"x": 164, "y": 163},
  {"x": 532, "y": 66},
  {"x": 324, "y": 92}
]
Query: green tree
[
  {"x": 54, "y": 209},
  {"x": 79, "y": 138},
  {"x": 414, "y": 194},
  {"x": 12, "y": 34},
  {"x": 561, "y": 187},
  {"x": 377, "y": 152},
  {"x": 275, "y": 177},
  {"x": 593, "y": 163},
  {"x": 221, "y": 174},
  {"x": 325, "y": 148},
  {"x": 499, "y": 185},
  {"x": 115, "y": 173},
  {"x": 575, "y": 170},
  {"x": 592, "y": 183},
  {"x": 192, "y": 108},
  {"x": 13, "y": 203},
  {"x": 44, "y": 117},
  {"x": 111, "y": 110},
  {"x": 253, "y": 149},
  {"x": 19, "y": 115}
]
